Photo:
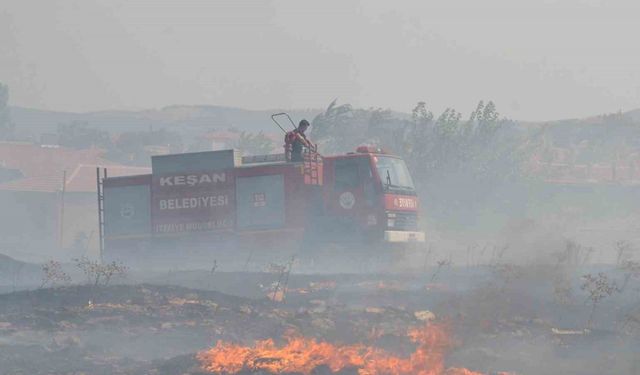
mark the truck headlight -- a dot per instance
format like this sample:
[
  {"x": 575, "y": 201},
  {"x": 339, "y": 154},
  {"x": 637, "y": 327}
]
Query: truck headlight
[{"x": 391, "y": 223}]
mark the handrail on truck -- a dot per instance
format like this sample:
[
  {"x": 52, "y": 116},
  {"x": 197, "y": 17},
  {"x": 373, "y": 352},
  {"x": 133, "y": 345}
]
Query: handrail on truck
[{"x": 273, "y": 117}]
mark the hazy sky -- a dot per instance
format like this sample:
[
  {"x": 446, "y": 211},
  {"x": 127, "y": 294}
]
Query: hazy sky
[{"x": 536, "y": 59}]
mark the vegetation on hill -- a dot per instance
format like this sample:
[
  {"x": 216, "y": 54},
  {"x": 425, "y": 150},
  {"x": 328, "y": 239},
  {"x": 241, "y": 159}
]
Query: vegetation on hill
[{"x": 460, "y": 162}]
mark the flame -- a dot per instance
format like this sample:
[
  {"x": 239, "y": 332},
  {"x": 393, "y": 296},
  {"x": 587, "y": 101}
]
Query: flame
[{"x": 303, "y": 355}]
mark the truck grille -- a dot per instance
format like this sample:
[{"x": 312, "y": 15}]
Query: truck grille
[{"x": 404, "y": 220}]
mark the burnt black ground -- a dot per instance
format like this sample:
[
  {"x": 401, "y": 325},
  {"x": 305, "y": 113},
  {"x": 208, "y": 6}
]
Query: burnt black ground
[{"x": 150, "y": 328}]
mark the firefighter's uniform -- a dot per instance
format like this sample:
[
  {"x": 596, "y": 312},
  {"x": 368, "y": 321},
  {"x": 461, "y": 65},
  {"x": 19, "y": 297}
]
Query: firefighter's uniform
[{"x": 295, "y": 141}]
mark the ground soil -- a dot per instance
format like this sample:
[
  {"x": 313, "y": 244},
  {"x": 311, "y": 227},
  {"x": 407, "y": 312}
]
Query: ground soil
[{"x": 156, "y": 326}]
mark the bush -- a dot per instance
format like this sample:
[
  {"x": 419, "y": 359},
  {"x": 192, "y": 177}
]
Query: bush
[
  {"x": 100, "y": 274},
  {"x": 53, "y": 274}
]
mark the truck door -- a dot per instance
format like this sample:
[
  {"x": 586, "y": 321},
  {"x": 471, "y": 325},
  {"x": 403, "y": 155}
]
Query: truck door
[{"x": 351, "y": 196}]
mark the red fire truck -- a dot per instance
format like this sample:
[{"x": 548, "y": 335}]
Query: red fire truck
[{"x": 197, "y": 205}]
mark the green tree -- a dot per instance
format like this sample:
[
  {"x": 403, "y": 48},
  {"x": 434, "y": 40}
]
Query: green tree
[
  {"x": 254, "y": 144},
  {"x": 133, "y": 142},
  {"x": 458, "y": 163},
  {"x": 333, "y": 118},
  {"x": 80, "y": 135},
  {"x": 485, "y": 119},
  {"x": 6, "y": 126},
  {"x": 378, "y": 120},
  {"x": 341, "y": 128},
  {"x": 421, "y": 116},
  {"x": 332, "y": 129},
  {"x": 448, "y": 123},
  {"x": 137, "y": 147},
  {"x": 417, "y": 132}
]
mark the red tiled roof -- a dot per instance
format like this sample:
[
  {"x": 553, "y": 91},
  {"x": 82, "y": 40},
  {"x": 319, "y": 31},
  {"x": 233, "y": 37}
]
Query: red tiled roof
[
  {"x": 47, "y": 183},
  {"x": 43, "y": 167},
  {"x": 81, "y": 180},
  {"x": 34, "y": 160}
]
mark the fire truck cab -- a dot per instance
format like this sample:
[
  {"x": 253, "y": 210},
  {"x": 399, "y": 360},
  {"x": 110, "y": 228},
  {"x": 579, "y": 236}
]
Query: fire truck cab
[{"x": 371, "y": 193}]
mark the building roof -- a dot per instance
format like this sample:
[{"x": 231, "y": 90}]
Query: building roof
[
  {"x": 81, "y": 180},
  {"x": 46, "y": 183},
  {"x": 35, "y": 160},
  {"x": 43, "y": 168}
]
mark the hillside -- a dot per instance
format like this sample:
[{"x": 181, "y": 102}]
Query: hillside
[
  {"x": 191, "y": 121},
  {"x": 188, "y": 120}
]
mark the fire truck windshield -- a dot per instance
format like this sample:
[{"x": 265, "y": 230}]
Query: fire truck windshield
[{"x": 393, "y": 173}]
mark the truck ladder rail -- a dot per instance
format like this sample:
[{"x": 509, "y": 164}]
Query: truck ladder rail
[{"x": 312, "y": 167}]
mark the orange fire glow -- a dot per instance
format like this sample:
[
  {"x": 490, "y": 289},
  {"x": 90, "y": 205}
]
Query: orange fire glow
[{"x": 302, "y": 355}]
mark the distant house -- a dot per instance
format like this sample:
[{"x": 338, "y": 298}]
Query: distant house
[{"x": 48, "y": 204}]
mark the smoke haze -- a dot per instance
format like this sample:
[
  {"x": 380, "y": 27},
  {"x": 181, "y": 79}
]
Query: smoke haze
[
  {"x": 467, "y": 204},
  {"x": 542, "y": 59}
]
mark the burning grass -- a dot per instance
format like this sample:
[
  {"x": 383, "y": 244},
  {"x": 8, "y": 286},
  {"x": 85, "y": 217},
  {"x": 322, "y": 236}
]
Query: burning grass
[{"x": 304, "y": 355}]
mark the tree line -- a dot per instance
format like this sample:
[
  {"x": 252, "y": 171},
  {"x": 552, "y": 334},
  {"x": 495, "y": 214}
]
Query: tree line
[{"x": 457, "y": 163}]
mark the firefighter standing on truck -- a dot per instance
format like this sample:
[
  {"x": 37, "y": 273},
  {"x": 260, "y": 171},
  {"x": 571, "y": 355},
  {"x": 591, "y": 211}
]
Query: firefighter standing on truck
[{"x": 295, "y": 140}]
